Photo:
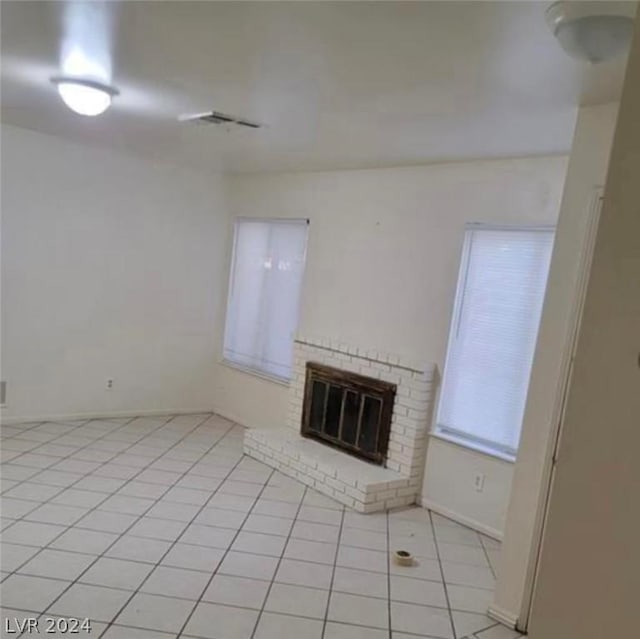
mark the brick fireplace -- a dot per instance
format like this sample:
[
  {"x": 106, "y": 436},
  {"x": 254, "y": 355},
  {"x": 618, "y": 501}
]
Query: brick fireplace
[{"x": 355, "y": 482}]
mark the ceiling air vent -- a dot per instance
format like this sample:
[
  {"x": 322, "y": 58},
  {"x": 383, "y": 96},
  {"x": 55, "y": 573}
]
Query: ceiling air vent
[{"x": 216, "y": 117}]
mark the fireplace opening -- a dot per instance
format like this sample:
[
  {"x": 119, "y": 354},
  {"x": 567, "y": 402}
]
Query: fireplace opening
[{"x": 349, "y": 411}]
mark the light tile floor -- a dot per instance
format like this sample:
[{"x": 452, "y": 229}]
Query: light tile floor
[{"x": 160, "y": 527}]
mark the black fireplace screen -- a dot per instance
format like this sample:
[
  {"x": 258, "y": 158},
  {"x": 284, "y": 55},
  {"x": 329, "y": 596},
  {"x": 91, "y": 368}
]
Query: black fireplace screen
[{"x": 347, "y": 410}]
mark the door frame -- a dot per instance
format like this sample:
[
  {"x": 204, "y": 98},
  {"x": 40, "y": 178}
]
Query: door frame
[{"x": 553, "y": 448}]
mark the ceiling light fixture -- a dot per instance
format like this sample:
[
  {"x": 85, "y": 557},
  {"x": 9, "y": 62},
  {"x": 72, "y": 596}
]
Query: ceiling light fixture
[
  {"x": 86, "y": 97},
  {"x": 592, "y": 31}
]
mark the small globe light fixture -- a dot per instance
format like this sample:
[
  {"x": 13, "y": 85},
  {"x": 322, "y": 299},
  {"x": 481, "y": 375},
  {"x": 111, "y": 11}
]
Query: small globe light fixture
[
  {"x": 592, "y": 31},
  {"x": 86, "y": 97}
]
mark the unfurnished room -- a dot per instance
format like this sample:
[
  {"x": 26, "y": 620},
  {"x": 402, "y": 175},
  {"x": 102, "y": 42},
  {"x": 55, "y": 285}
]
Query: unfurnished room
[{"x": 320, "y": 319}]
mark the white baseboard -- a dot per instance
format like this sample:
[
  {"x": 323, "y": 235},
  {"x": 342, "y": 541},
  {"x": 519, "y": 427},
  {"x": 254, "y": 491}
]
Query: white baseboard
[
  {"x": 503, "y": 616},
  {"x": 231, "y": 417},
  {"x": 461, "y": 519},
  {"x": 104, "y": 415}
]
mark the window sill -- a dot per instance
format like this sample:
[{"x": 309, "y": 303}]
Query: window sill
[
  {"x": 281, "y": 381},
  {"x": 479, "y": 448}
]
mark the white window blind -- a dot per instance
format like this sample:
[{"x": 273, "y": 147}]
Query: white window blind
[
  {"x": 501, "y": 285},
  {"x": 264, "y": 294}
]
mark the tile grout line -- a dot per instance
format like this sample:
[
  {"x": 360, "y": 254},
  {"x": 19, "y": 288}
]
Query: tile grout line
[
  {"x": 477, "y": 633},
  {"x": 333, "y": 574},
  {"x": 167, "y": 488},
  {"x": 82, "y": 476},
  {"x": 69, "y": 486},
  {"x": 373, "y": 572},
  {"x": 136, "y": 520},
  {"x": 26, "y": 430},
  {"x": 235, "y": 606},
  {"x": 113, "y": 492},
  {"x": 187, "y": 524},
  {"x": 32, "y": 427},
  {"x": 350, "y": 624},
  {"x": 68, "y": 527},
  {"x": 155, "y": 503},
  {"x": 86, "y": 475},
  {"x": 226, "y": 552},
  {"x": 73, "y": 429},
  {"x": 58, "y": 460},
  {"x": 197, "y": 571},
  {"x": 486, "y": 554},
  {"x": 444, "y": 583},
  {"x": 248, "y": 552},
  {"x": 284, "y": 548}
]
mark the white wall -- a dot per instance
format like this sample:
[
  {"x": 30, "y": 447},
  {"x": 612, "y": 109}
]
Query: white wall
[
  {"x": 449, "y": 487},
  {"x": 382, "y": 264},
  {"x": 112, "y": 267},
  {"x": 117, "y": 268},
  {"x": 589, "y": 581},
  {"x": 586, "y": 170}
]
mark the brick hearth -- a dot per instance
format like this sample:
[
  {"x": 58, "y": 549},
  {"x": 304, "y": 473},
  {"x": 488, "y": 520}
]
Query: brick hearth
[{"x": 353, "y": 482}]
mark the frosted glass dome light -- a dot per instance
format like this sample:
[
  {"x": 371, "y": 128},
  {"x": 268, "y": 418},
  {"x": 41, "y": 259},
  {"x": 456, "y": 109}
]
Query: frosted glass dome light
[
  {"x": 593, "y": 31},
  {"x": 85, "y": 97}
]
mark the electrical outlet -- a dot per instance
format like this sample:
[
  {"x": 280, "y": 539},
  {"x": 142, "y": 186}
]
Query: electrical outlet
[
  {"x": 109, "y": 385},
  {"x": 478, "y": 482}
]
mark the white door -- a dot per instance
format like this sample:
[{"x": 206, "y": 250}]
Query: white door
[{"x": 581, "y": 289}]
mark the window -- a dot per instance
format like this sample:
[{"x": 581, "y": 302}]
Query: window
[
  {"x": 264, "y": 294},
  {"x": 495, "y": 322}
]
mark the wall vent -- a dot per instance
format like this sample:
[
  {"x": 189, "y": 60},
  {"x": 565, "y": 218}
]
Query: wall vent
[
  {"x": 217, "y": 117},
  {"x": 3, "y": 393}
]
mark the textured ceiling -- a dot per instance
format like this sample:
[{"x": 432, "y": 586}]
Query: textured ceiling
[{"x": 338, "y": 85}]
